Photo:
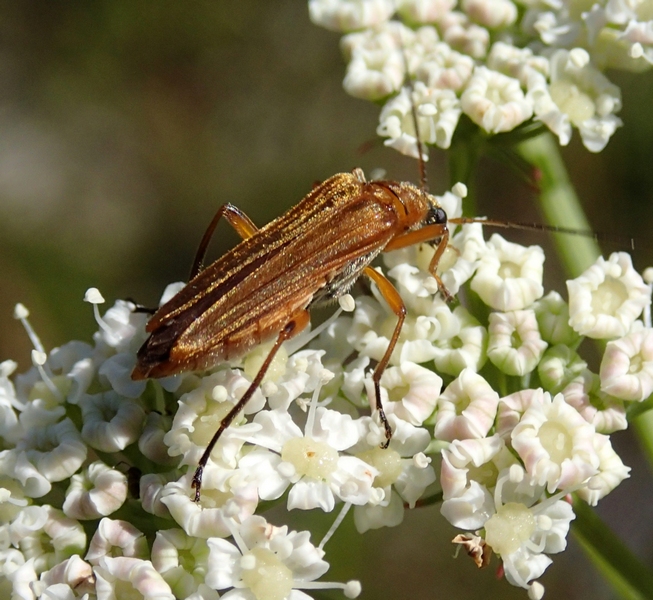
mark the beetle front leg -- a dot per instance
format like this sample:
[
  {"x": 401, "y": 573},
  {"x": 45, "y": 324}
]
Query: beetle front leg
[{"x": 426, "y": 234}]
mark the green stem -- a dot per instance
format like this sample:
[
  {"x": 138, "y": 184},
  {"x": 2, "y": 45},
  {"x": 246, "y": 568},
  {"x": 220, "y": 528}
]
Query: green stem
[
  {"x": 560, "y": 204},
  {"x": 561, "y": 207},
  {"x": 627, "y": 575},
  {"x": 463, "y": 156},
  {"x": 643, "y": 424}
]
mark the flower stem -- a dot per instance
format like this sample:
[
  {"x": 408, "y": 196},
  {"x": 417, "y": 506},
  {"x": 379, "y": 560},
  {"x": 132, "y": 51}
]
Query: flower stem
[
  {"x": 463, "y": 155},
  {"x": 627, "y": 575},
  {"x": 643, "y": 424},
  {"x": 560, "y": 204}
]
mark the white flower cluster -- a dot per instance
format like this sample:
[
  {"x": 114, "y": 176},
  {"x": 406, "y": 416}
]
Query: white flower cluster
[
  {"x": 83, "y": 443},
  {"x": 499, "y": 62}
]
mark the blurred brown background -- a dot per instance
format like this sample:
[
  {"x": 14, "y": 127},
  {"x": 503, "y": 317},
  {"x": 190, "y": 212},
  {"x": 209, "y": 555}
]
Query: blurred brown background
[{"x": 124, "y": 124}]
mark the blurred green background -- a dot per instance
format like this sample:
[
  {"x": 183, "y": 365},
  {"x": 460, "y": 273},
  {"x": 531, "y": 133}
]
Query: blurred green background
[{"x": 124, "y": 124}]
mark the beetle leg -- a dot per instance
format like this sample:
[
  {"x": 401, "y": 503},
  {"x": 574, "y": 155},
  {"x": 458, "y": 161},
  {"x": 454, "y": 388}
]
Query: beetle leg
[
  {"x": 425, "y": 234},
  {"x": 298, "y": 322},
  {"x": 417, "y": 236},
  {"x": 140, "y": 308},
  {"x": 433, "y": 265},
  {"x": 243, "y": 225},
  {"x": 392, "y": 297}
]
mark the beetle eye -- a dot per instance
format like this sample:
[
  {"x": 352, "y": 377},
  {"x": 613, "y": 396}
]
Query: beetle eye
[{"x": 436, "y": 215}]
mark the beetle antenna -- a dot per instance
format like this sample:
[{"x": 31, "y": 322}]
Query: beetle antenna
[
  {"x": 413, "y": 110},
  {"x": 598, "y": 236}
]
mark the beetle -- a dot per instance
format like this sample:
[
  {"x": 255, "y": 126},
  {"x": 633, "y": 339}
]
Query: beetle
[{"x": 265, "y": 286}]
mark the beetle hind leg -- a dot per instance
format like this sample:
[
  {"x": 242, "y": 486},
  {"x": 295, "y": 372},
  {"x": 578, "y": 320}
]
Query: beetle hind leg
[{"x": 298, "y": 322}]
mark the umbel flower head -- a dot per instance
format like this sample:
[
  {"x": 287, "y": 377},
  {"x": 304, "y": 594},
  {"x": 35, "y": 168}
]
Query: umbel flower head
[
  {"x": 94, "y": 466},
  {"x": 499, "y": 65}
]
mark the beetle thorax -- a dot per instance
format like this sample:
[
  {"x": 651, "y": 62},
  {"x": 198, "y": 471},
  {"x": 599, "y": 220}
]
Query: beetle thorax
[{"x": 411, "y": 203}]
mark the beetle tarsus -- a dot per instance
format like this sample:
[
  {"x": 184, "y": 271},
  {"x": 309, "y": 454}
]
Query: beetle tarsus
[
  {"x": 139, "y": 308},
  {"x": 388, "y": 431},
  {"x": 197, "y": 481}
]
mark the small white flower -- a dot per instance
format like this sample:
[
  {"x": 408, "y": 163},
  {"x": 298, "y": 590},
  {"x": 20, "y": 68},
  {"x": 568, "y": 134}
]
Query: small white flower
[
  {"x": 44, "y": 408},
  {"x": 559, "y": 366},
  {"x": 97, "y": 492},
  {"x": 555, "y": 27},
  {"x": 606, "y": 413},
  {"x": 401, "y": 465},
  {"x": 374, "y": 71},
  {"x": 334, "y": 341},
  {"x": 10, "y": 430},
  {"x": 266, "y": 563},
  {"x": 219, "y": 502},
  {"x": 627, "y": 366},
  {"x": 516, "y": 62},
  {"x": 469, "y": 471},
  {"x": 151, "y": 488},
  {"x": 151, "y": 441},
  {"x": 373, "y": 325},
  {"x": 349, "y": 15},
  {"x": 31, "y": 482},
  {"x": 111, "y": 422},
  {"x": 463, "y": 35},
  {"x": 466, "y": 408},
  {"x": 12, "y": 498},
  {"x": 509, "y": 276},
  {"x": 183, "y": 562},
  {"x": 133, "y": 577},
  {"x": 424, "y": 11},
  {"x": 116, "y": 371},
  {"x": 73, "y": 572},
  {"x": 120, "y": 325},
  {"x": 21, "y": 576},
  {"x": 492, "y": 14},
  {"x": 521, "y": 535},
  {"x": 445, "y": 68},
  {"x": 545, "y": 108},
  {"x": 56, "y": 451},
  {"x": 438, "y": 111},
  {"x": 468, "y": 246},
  {"x": 519, "y": 523},
  {"x": 388, "y": 513},
  {"x": 578, "y": 94},
  {"x": 611, "y": 473},
  {"x": 552, "y": 314},
  {"x": 353, "y": 380},
  {"x": 638, "y": 36},
  {"x": 114, "y": 538},
  {"x": 389, "y": 35},
  {"x": 556, "y": 444},
  {"x": 75, "y": 361},
  {"x": 199, "y": 415},
  {"x": 467, "y": 349},
  {"x": 304, "y": 372},
  {"x": 253, "y": 360},
  {"x": 512, "y": 407},
  {"x": 607, "y": 298},
  {"x": 311, "y": 462},
  {"x": 411, "y": 392},
  {"x": 45, "y": 535},
  {"x": 495, "y": 101},
  {"x": 514, "y": 343}
]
